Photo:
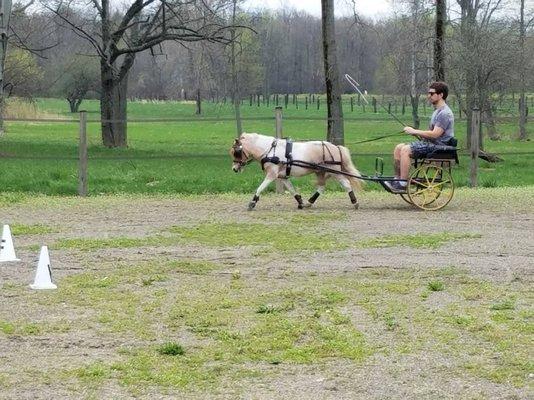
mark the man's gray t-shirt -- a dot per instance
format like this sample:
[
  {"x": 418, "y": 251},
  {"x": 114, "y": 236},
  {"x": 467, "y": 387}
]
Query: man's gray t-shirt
[{"x": 443, "y": 118}]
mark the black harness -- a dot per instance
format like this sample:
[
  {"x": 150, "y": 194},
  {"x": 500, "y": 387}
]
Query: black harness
[
  {"x": 276, "y": 160},
  {"x": 289, "y": 162}
]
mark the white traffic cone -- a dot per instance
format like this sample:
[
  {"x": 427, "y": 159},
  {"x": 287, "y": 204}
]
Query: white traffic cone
[
  {"x": 7, "y": 251},
  {"x": 43, "y": 276}
]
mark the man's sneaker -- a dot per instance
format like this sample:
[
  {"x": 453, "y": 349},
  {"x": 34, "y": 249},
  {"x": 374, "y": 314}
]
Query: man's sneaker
[{"x": 396, "y": 186}]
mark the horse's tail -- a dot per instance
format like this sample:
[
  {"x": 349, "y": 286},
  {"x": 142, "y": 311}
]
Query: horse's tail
[{"x": 348, "y": 166}]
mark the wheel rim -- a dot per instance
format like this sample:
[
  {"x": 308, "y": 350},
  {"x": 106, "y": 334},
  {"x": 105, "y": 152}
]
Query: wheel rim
[
  {"x": 405, "y": 198},
  {"x": 430, "y": 187}
]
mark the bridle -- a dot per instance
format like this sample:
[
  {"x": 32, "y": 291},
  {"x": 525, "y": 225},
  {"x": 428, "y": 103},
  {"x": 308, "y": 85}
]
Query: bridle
[{"x": 239, "y": 155}]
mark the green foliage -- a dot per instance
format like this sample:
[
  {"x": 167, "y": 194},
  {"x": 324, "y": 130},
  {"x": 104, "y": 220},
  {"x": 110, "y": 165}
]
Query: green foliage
[
  {"x": 420, "y": 240},
  {"x": 284, "y": 237},
  {"x": 171, "y": 349},
  {"x": 22, "y": 71},
  {"x": 503, "y": 305},
  {"x": 7, "y": 328},
  {"x": 35, "y": 229},
  {"x": 266, "y": 309},
  {"x": 436, "y": 286}
]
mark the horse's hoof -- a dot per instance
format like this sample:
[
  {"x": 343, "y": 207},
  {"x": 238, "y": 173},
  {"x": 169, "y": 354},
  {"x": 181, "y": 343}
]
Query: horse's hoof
[
  {"x": 356, "y": 206},
  {"x": 251, "y": 206},
  {"x": 300, "y": 206}
]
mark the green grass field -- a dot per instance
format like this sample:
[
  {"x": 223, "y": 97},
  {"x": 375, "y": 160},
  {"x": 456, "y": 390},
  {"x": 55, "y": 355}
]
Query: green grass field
[{"x": 192, "y": 156}]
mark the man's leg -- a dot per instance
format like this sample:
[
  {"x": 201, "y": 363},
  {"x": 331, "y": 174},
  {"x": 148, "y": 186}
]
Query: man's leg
[
  {"x": 405, "y": 161},
  {"x": 397, "y": 159}
]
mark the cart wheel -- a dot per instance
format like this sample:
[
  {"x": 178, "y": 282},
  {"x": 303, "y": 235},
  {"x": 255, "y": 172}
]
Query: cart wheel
[
  {"x": 430, "y": 187},
  {"x": 405, "y": 198}
]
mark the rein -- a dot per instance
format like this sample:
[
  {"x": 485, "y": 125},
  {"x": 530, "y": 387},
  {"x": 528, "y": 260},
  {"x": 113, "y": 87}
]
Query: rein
[{"x": 378, "y": 138}]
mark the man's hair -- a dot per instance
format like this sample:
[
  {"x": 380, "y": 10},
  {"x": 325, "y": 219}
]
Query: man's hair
[{"x": 440, "y": 87}]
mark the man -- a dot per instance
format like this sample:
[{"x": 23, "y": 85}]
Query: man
[{"x": 440, "y": 132}]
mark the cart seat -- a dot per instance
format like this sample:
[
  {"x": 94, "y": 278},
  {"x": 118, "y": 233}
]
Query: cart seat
[{"x": 444, "y": 152}]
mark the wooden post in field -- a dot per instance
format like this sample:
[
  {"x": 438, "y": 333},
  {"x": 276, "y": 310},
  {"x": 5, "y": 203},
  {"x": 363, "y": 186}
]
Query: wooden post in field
[
  {"x": 278, "y": 121},
  {"x": 82, "y": 151},
  {"x": 475, "y": 132},
  {"x": 199, "y": 102}
]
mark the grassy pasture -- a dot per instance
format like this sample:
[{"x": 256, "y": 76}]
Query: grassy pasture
[{"x": 192, "y": 157}]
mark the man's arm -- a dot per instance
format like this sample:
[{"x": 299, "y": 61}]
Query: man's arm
[{"x": 433, "y": 134}]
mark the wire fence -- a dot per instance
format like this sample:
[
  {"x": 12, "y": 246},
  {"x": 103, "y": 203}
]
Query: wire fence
[{"x": 185, "y": 149}]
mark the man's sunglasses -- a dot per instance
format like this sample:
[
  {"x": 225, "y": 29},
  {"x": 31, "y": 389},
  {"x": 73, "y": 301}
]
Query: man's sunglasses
[{"x": 431, "y": 93}]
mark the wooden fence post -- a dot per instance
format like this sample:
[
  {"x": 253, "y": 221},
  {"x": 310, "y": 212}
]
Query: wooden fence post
[
  {"x": 475, "y": 132},
  {"x": 82, "y": 152},
  {"x": 278, "y": 121}
]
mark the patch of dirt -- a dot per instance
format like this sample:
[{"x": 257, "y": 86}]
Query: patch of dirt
[{"x": 503, "y": 253}]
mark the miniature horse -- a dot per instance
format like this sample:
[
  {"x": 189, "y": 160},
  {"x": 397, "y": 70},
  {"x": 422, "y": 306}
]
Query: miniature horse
[{"x": 281, "y": 158}]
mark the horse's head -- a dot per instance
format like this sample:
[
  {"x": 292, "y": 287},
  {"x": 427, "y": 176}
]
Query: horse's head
[{"x": 239, "y": 156}]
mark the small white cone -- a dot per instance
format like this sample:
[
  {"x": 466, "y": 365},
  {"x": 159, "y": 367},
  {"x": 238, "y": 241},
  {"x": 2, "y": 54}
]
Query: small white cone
[
  {"x": 7, "y": 251},
  {"x": 43, "y": 276}
]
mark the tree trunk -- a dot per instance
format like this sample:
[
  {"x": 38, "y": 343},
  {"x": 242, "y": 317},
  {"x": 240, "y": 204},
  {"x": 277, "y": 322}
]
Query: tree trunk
[
  {"x": 5, "y": 8},
  {"x": 74, "y": 104},
  {"x": 113, "y": 103},
  {"x": 335, "y": 131},
  {"x": 439, "y": 57},
  {"x": 414, "y": 97},
  {"x": 522, "y": 83},
  {"x": 415, "y": 111},
  {"x": 470, "y": 103},
  {"x": 489, "y": 120},
  {"x": 199, "y": 103},
  {"x": 235, "y": 85}
]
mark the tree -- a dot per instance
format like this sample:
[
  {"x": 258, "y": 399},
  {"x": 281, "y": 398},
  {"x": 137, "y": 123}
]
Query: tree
[
  {"x": 144, "y": 24},
  {"x": 236, "y": 98},
  {"x": 79, "y": 76},
  {"x": 23, "y": 75},
  {"x": 482, "y": 59},
  {"x": 418, "y": 67},
  {"x": 5, "y": 13},
  {"x": 439, "y": 40},
  {"x": 335, "y": 132},
  {"x": 522, "y": 71},
  {"x": 406, "y": 48}
]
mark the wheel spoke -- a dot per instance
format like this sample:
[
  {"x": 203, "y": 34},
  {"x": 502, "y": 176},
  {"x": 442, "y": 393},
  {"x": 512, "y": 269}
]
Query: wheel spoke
[
  {"x": 442, "y": 183},
  {"x": 430, "y": 187},
  {"x": 419, "y": 183},
  {"x": 437, "y": 170}
]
